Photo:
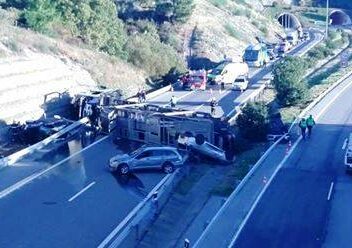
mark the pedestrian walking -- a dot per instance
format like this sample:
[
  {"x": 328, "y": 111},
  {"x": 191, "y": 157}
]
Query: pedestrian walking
[
  {"x": 213, "y": 104},
  {"x": 303, "y": 126},
  {"x": 310, "y": 124},
  {"x": 173, "y": 102}
]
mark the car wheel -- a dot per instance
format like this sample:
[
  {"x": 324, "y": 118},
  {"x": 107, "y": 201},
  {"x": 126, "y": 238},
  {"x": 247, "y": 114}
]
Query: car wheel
[
  {"x": 124, "y": 169},
  {"x": 168, "y": 167}
]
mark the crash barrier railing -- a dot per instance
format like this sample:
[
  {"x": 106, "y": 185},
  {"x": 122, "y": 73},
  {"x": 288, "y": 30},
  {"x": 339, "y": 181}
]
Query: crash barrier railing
[
  {"x": 11, "y": 159},
  {"x": 256, "y": 93},
  {"x": 292, "y": 133},
  {"x": 139, "y": 218}
]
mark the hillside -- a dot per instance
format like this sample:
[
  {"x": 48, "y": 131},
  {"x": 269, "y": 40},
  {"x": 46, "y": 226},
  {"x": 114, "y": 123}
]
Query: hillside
[
  {"x": 148, "y": 48},
  {"x": 227, "y": 27}
]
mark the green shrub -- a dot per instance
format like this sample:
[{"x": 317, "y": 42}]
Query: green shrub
[
  {"x": 157, "y": 58},
  {"x": 219, "y": 3},
  {"x": 253, "y": 121},
  {"x": 232, "y": 31},
  {"x": 288, "y": 80}
]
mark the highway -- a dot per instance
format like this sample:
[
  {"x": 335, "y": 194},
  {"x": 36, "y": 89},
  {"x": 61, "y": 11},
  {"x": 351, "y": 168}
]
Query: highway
[
  {"x": 77, "y": 202},
  {"x": 308, "y": 203},
  {"x": 63, "y": 196},
  {"x": 228, "y": 99}
]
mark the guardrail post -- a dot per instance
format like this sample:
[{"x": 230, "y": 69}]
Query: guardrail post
[
  {"x": 155, "y": 203},
  {"x": 186, "y": 244}
]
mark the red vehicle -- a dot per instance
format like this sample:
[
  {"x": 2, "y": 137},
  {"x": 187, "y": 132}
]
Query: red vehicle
[{"x": 194, "y": 80}]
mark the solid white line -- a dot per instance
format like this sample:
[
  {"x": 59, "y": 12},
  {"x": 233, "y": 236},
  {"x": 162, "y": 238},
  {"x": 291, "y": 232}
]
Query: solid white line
[
  {"x": 344, "y": 144},
  {"x": 244, "y": 222},
  {"x": 81, "y": 192},
  {"x": 330, "y": 190},
  {"x": 27, "y": 180},
  {"x": 280, "y": 165}
]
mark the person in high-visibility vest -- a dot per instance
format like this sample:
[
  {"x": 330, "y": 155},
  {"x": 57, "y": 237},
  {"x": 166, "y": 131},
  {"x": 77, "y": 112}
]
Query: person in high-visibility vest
[
  {"x": 310, "y": 123},
  {"x": 303, "y": 126}
]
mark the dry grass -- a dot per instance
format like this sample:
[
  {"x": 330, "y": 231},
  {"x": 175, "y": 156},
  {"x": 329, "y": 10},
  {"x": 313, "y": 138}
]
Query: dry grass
[
  {"x": 104, "y": 69},
  {"x": 214, "y": 35}
]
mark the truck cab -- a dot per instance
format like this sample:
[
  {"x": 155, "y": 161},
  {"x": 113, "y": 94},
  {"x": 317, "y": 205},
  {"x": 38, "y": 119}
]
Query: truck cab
[
  {"x": 256, "y": 55},
  {"x": 348, "y": 155},
  {"x": 194, "y": 80}
]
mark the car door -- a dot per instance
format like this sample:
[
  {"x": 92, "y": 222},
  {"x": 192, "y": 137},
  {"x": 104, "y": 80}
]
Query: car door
[{"x": 143, "y": 160}]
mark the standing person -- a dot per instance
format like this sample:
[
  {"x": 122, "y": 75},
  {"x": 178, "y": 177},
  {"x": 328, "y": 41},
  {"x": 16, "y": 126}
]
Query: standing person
[
  {"x": 143, "y": 95},
  {"x": 212, "y": 106},
  {"x": 173, "y": 102},
  {"x": 310, "y": 124},
  {"x": 222, "y": 85},
  {"x": 303, "y": 126},
  {"x": 139, "y": 96}
]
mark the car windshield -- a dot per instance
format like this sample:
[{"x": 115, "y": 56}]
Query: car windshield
[
  {"x": 251, "y": 55},
  {"x": 240, "y": 80}
]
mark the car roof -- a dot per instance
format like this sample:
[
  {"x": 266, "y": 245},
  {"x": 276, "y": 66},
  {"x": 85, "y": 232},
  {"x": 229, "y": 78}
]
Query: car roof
[{"x": 160, "y": 148}]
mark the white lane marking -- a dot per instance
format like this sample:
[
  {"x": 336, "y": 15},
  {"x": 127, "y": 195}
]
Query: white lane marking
[
  {"x": 81, "y": 192},
  {"x": 244, "y": 222},
  {"x": 27, "y": 180},
  {"x": 330, "y": 190},
  {"x": 344, "y": 144}
]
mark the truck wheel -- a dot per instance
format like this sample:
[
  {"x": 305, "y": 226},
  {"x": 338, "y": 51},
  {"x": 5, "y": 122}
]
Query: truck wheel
[{"x": 200, "y": 139}]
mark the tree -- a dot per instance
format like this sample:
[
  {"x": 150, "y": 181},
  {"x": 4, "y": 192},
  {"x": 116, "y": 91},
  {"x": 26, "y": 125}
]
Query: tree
[
  {"x": 253, "y": 121},
  {"x": 288, "y": 80},
  {"x": 174, "y": 10},
  {"x": 41, "y": 14}
]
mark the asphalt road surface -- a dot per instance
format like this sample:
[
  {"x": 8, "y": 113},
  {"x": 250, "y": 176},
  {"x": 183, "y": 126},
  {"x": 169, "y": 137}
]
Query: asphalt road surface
[
  {"x": 308, "y": 204},
  {"x": 228, "y": 99},
  {"x": 75, "y": 204}
]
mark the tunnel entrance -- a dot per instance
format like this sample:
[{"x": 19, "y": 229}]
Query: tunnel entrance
[
  {"x": 289, "y": 21},
  {"x": 340, "y": 18}
]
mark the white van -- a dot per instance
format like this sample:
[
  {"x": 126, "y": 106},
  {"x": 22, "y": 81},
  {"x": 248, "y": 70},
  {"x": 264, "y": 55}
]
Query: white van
[
  {"x": 228, "y": 72},
  {"x": 348, "y": 154},
  {"x": 292, "y": 38}
]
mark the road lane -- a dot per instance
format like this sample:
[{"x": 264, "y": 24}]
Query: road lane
[
  {"x": 40, "y": 215},
  {"x": 228, "y": 99},
  {"x": 294, "y": 210}
]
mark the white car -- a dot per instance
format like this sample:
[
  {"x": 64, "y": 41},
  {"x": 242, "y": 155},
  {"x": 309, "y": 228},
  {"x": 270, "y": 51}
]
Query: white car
[
  {"x": 348, "y": 155},
  {"x": 240, "y": 83}
]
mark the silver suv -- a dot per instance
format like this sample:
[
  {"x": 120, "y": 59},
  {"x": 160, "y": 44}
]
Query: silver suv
[{"x": 164, "y": 158}]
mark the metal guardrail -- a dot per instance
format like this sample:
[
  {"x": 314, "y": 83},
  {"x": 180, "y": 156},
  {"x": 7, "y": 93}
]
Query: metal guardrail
[
  {"x": 117, "y": 236},
  {"x": 11, "y": 159}
]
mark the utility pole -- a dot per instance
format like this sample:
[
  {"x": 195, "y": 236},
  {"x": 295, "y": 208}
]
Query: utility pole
[{"x": 327, "y": 20}]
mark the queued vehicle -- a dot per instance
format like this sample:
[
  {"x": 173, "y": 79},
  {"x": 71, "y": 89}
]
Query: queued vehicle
[
  {"x": 256, "y": 55},
  {"x": 284, "y": 47},
  {"x": 194, "y": 80},
  {"x": 348, "y": 155},
  {"x": 292, "y": 38},
  {"x": 240, "y": 83},
  {"x": 165, "y": 158},
  {"x": 227, "y": 72},
  {"x": 306, "y": 35}
]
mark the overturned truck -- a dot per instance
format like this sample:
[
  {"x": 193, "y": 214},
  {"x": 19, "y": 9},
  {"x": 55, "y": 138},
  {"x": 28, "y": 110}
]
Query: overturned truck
[{"x": 163, "y": 126}]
